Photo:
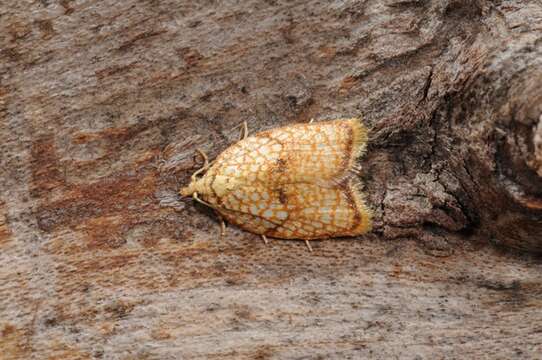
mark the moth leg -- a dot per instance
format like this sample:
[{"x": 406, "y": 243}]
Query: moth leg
[
  {"x": 264, "y": 238},
  {"x": 205, "y": 166},
  {"x": 222, "y": 227},
  {"x": 244, "y": 131},
  {"x": 205, "y": 158},
  {"x": 196, "y": 173},
  {"x": 308, "y": 245},
  {"x": 195, "y": 197},
  {"x": 222, "y": 224}
]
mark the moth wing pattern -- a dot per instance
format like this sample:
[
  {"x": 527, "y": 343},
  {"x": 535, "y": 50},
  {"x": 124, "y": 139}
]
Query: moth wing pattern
[
  {"x": 321, "y": 212},
  {"x": 293, "y": 182},
  {"x": 323, "y": 151},
  {"x": 299, "y": 211},
  {"x": 248, "y": 160}
]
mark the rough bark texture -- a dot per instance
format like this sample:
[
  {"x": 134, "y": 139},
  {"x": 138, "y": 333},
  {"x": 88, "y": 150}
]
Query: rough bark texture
[{"x": 102, "y": 104}]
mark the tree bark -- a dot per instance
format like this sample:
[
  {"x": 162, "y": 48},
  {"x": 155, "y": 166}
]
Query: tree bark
[{"x": 103, "y": 103}]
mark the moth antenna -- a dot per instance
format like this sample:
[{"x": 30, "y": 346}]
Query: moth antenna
[
  {"x": 205, "y": 158},
  {"x": 244, "y": 131},
  {"x": 205, "y": 166}
]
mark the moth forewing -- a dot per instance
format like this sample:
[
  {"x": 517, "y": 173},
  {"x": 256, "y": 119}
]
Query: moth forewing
[{"x": 294, "y": 182}]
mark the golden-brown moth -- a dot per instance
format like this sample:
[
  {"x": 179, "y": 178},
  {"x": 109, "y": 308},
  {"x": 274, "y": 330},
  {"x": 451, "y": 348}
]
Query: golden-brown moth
[{"x": 294, "y": 182}]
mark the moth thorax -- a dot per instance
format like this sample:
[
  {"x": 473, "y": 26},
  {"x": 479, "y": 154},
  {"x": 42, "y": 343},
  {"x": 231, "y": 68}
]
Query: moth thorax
[{"x": 223, "y": 184}]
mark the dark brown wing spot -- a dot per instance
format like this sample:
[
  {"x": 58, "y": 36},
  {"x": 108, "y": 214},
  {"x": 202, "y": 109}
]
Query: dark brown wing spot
[
  {"x": 282, "y": 196},
  {"x": 280, "y": 166}
]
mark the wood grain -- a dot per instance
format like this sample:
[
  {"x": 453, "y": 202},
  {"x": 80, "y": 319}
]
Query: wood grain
[{"x": 102, "y": 104}]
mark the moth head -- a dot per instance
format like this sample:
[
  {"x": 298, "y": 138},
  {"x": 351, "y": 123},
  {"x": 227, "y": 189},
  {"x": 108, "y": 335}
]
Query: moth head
[
  {"x": 186, "y": 191},
  {"x": 195, "y": 186}
]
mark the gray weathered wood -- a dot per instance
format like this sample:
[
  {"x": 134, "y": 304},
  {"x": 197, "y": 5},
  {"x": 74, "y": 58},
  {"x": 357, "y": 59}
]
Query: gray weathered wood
[{"x": 102, "y": 104}]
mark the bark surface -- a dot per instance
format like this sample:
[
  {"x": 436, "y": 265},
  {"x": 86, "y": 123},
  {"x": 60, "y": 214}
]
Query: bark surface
[{"x": 103, "y": 103}]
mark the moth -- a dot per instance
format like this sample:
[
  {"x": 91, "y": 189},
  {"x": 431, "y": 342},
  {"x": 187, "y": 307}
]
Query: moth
[{"x": 293, "y": 182}]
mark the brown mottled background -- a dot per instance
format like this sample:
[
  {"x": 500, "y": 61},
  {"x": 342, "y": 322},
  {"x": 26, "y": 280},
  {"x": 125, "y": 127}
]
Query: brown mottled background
[{"x": 102, "y": 104}]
